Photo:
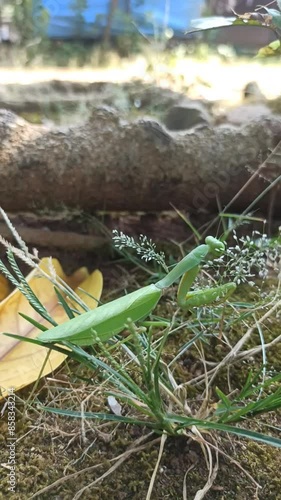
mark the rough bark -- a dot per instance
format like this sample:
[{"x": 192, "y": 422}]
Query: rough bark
[{"x": 108, "y": 163}]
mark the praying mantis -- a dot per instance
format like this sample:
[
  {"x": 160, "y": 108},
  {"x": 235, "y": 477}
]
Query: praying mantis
[{"x": 110, "y": 319}]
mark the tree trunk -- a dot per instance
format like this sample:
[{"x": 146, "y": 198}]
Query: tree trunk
[{"x": 107, "y": 31}]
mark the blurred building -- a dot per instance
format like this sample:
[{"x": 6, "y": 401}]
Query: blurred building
[{"x": 88, "y": 19}]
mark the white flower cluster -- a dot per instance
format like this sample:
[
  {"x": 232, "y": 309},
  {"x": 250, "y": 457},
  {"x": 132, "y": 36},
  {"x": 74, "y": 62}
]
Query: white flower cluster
[
  {"x": 249, "y": 257},
  {"x": 144, "y": 247}
]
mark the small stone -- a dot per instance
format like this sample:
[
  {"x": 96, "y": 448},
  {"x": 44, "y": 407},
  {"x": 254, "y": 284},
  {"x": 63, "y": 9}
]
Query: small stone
[
  {"x": 187, "y": 115},
  {"x": 247, "y": 112},
  {"x": 252, "y": 92}
]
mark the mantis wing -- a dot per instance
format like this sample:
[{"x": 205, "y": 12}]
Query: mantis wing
[{"x": 107, "y": 320}]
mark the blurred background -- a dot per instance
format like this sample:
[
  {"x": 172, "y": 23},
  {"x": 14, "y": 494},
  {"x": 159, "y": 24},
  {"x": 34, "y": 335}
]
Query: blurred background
[
  {"x": 40, "y": 26},
  {"x": 51, "y": 51}
]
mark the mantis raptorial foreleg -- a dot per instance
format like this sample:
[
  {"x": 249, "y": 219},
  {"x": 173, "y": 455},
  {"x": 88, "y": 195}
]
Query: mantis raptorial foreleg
[{"x": 198, "y": 298}]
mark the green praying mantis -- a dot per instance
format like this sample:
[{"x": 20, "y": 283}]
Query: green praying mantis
[{"x": 110, "y": 319}]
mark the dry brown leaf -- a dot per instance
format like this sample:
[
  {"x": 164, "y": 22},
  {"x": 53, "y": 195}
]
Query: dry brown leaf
[{"x": 21, "y": 362}]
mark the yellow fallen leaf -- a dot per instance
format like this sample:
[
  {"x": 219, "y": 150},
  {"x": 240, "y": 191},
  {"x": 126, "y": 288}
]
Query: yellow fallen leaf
[
  {"x": 93, "y": 285},
  {"x": 79, "y": 276},
  {"x": 21, "y": 362}
]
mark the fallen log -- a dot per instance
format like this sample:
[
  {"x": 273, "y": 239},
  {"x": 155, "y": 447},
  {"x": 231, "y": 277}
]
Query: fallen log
[
  {"x": 111, "y": 164},
  {"x": 46, "y": 238}
]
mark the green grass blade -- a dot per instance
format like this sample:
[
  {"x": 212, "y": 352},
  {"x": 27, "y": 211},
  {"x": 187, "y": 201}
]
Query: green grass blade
[
  {"x": 64, "y": 304},
  {"x": 34, "y": 322},
  {"x": 223, "y": 398},
  {"x": 100, "y": 416},
  {"x": 205, "y": 424}
]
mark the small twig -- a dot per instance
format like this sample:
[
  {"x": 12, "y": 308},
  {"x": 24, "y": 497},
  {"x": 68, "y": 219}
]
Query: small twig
[
  {"x": 260, "y": 7},
  {"x": 213, "y": 469},
  {"x": 184, "y": 488},
  {"x": 153, "y": 477}
]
